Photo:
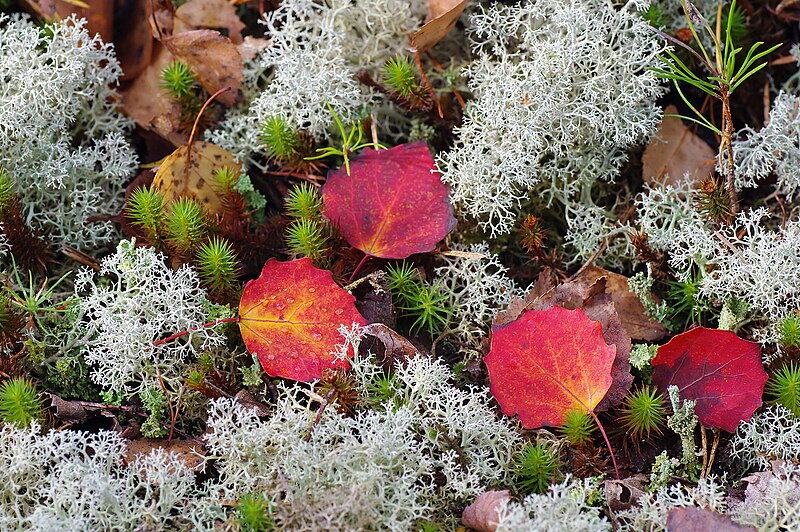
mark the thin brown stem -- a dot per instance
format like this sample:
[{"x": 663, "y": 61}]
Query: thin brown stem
[{"x": 608, "y": 443}]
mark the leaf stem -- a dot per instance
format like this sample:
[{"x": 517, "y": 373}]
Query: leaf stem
[
  {"x": 608, "y": 443},
  {"x": 360, "y": 264}
]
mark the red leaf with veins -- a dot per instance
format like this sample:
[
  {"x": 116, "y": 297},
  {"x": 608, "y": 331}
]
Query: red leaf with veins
[
  {"x": 290, "y": 317},
  {"x": 718, "y": 370},
  {"x": 393, "y": 204},
  {"x": 547, "y": 362}
]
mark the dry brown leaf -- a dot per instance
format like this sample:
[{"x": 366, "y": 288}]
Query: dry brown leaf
[
  {"x": 99, "y": 15},
  {"x": 676, "y": 151},
  {"x": 442, "y": 16},
  {"x": 484, "y": 513},
  {"x": 693, "y": 519},
  {"x": 622, "y": 494},
  {"x": 398, "y": 348},
  {"x": 134, "y": 43},
  {"x": 213, "y": 58},
  {"x": 161, "y": 17},
  {"x": 209, "y": 14},
  {"x": 149, "y": 106},
  {"x": 191, "y": 174},
  {"x": 189, "y": 452},
  {"x": 629, "y": 306}
]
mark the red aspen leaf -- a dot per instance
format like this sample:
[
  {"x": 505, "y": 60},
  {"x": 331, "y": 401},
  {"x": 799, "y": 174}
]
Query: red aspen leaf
[
  {"x": 393, "y": 204},
  {"x": 290, "y": 317},
  {"x": 547, "y": 362},
  {"x": 718, "y": 370}
]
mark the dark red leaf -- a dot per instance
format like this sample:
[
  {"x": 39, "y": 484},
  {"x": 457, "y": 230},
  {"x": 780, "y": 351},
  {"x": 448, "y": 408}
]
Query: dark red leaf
[
  {"x": 718, "y": 370},
  {"x": 393, "y": 204}
]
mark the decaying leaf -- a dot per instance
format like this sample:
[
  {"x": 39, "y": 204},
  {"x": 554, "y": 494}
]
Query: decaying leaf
[
  {"x": 398, "y": 348},
  {"x": 717, "y": 369},
  {"x": 190, "y": 452},
  {"x": 442, "y": 16},
  {"x": 290, "y": 317},
  {"x": 693, "y": 519},
  {"x": 548, "y": 362},
  {"x": 623, "y": 494},
  {"x": 676, "y": 151},
  {"x": 190, "y": 173},
  {"x": 213, "y": 58},
  {"x": 393, "y": 204},
  {"x": 209, "y": 14},
  {"x": 628, "y": 305},
  {"x": 484, "y": 512}
]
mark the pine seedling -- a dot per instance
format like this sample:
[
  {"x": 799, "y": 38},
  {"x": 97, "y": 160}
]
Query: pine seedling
[
  {"x": 427, "y": 303},
  {"x": 20, "y": 403},
  {"x": 578, "y": 427},
  {"x": 147, "y": 210},
  {"x": 713, "y": 201},
  {"x": 217, "y": 266},
  {"x": 280, "y": 140},
  {"x": 644, "y": 412},
  {"x": 401, "y": 77},
  {"x": 179, "y": 81},
  {"x": 339, "y": 387},
  {"x": 783, "y": 387},
  {"x": 254, "y": 514},
  {"x": 535, "y": 468},
  {"x": 306, "y": 238},
  {"x": 351, "y": 142},
  {"x": 304, "y": 202},
  {"x": 532, "y": 235},
  {"x": 186, "y": 225}
]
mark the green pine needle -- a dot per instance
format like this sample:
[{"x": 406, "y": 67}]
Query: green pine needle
[
  {"x": 304, "y": 202},
  {"x": 578, "y": 427},
  {"x": 217, "y": 265},
  {"x": 20, "y": 403},
  {"x": 146, "y": 210},
  {"x": 644, "y": 412},
  {"x": 784, "y": 387},
  {"x": 535, "y": 468},
  {"x": 177, "y": 79},
  {"x": 186, "y": 225},
  {"x": 280, "y": 140},
  {"x": 401, "y": 77}
]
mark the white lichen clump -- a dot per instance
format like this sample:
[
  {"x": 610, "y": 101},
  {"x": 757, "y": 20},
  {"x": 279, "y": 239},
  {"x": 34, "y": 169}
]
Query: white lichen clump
[
  {"x": 374, "y": 470},
  {"x": 61, "y": 136},
  {"x": 773, "y": 433},
  {"x": 315, "y": 50},
  {"x": 561, "y": 88},
  {"x": 65, "y": 480},
  {"x": 476, "y": 287},
  {"x": 140, "y": 301}
]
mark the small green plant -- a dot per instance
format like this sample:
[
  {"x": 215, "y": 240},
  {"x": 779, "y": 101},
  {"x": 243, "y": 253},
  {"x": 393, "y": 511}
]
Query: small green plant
[
  {"x": 401, "y": 77},
  {"x": 578, "y": 427},
  {"x": 20, "y": 403},
  {"x": 227, "y": 179},
  {"x": 147, "y": 210},
  {"x": 217, "y": 266},
  {"x": 351, "y": 142},
  {"x": 427, "y": 303},
  {"x": 154, "y": 402},
  {"x": 783, "y": 387},
  {"x": 790, "y": 331},
  {"x": 724, "y": 77},
  {"x": 685, "y": 305},
  {"x": 644, "y": 412},
  {"x": 31, "y": 300},
  {"x": 306, "y": 238},
  {"x": 280, "y": 140},
  {"x": 186, "y": 225},
  {"x": 382, "y": 392},
  {"x": 178, "y": 80},
  {"x": 304, "y": 201},
  {"x": 402, "y": 281},
  {"x": 535, "y": 468},
  {"x": 254, "y": 513}
]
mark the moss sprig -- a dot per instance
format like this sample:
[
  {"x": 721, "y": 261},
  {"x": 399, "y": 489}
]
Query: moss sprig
[
  {"x": 535, "y": 468},
  {"x": 20, "y": 403},
  {"x": 783, "y": 387},
  {"x": 578, "y": 427},
  {"x": 644, "y": 412}
]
